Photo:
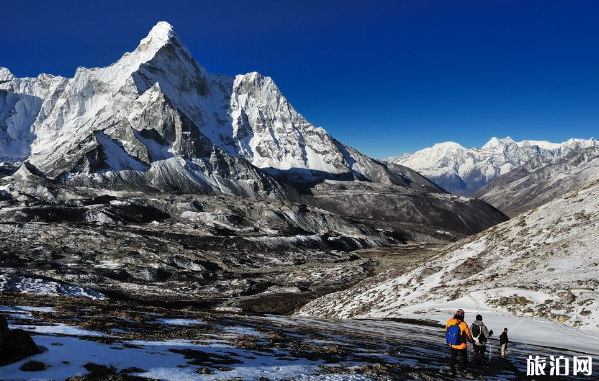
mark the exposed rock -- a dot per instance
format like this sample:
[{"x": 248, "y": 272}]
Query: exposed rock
[
  {"x": 33, "y": 366},
  {"x": 563, "y": 318},
  {"x": 15, "y": 345},
  {"x": 521, "y": 300},
  {"x": 568, "y": 297}
]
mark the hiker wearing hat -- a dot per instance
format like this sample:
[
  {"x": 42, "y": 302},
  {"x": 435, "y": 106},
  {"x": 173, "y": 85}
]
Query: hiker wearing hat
[
  {"x": 480, "y": 334},
  {"x": 457, "y": 333}
]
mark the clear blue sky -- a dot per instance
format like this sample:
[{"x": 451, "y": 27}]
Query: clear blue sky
[{"x": 386, "y": 77}]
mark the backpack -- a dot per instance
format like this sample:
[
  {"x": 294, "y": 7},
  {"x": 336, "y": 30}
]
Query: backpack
[
  {"x": 477, "y": 335},
  {"x": 453, "y": 334}
]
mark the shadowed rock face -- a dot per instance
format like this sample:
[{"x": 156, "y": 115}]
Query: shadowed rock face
[
  {"x": 541, "y": 180},
  {"x": 439, "y": 215},
  {"x": 15, "y": 344}
]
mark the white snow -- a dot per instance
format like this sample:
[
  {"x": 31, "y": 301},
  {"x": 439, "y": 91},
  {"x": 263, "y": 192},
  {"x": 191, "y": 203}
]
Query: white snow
[
  {"x": 66, "y": 351},
  {"x": 12, "y": 281},
  {"x": 182, "y": 322},
  {"x": 36, "y": 309},
  {"x": 495, "y": 158},
  {"x": 5, "y": 74},
  {"x": 58, "y": 329}
]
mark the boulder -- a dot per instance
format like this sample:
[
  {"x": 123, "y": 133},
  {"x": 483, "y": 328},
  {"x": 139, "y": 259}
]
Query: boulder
[{"x": 15, "y": 344}]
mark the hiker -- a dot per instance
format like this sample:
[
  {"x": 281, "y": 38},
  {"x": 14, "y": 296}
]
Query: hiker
[
  {"x": 15, "y": 344},
  {"x": 503, "y": 340},
  {"x": 480, "y": 334},
  {"x": 457, "y": 333}
]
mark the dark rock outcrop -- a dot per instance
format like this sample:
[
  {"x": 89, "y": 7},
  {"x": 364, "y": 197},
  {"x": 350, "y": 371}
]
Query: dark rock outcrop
[{"x": 15, "y": 344}]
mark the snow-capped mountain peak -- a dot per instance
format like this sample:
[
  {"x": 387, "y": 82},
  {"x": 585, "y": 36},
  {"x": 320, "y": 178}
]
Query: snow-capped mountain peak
[
  {"x": 161, "y": 41},
  {"x": 160, "y": 34},
  {"x": 5, "y": 74},
  {"x": 156, "y": 104},
  {"x": 446, "y": 148},
  {"x": 496, "y": 142}
]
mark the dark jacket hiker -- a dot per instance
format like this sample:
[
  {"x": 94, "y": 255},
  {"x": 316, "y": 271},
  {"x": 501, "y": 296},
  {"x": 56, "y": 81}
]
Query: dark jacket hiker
[{"x": 503, "y": 340}]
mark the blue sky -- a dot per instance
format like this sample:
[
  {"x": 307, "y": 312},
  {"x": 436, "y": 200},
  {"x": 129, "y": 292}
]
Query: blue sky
[{"x": 386, "y": 77}]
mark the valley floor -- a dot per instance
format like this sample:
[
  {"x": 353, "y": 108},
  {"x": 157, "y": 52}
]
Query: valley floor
[{"x": 86, "y": 339}]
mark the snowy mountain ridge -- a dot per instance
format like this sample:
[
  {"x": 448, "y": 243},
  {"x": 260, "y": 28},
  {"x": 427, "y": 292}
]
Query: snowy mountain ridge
[{"x": 463, "y": 171}]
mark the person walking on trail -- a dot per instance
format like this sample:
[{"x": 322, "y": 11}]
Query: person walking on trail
[
  {"x": 480, "y": 334},
  {"x": 457, "y": 333},
  {"x": 503, "y": 340}
]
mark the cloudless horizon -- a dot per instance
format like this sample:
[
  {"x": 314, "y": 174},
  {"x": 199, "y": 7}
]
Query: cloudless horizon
[{"x": 385, "y": 77}]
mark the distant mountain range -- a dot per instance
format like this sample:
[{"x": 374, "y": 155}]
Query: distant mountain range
[{"x": 463, "y": 171}]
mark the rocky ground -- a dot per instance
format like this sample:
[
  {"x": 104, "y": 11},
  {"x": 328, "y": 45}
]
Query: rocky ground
[
  {"x": 252, "y": 255},
  {"x": 234, "y": 347},
  {"x": 203, "y": 250},
  {"x": 178, "y": 265}
]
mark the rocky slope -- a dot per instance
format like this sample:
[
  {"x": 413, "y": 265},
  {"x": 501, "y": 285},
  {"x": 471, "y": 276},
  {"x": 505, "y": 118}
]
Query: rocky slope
[
  {"x": 201, "y": 250},
  {"x": 544, "y": 263},
  {"x": 463, "y": 171},
  {"x": 540, "y": 180}
]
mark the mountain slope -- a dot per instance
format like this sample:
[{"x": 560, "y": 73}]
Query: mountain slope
[
  {"x": 156, "y": 121},
  {"x": 463, "y": 171},
  {"x": 540, "y": 180},
  {"x": 545, "y": 263}
]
